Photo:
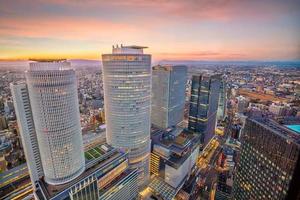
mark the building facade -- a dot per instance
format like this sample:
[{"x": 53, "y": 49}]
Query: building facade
[
  {"x": 222, "y": 100},
  {"x": 269, "y": 165},
  {"x": 127, "y": 100},
  {"x": 168, "y": 95},
  {"x": 27, "y": 130},
  {"x": 106, "y": 177},
  {"x": 54, "y": 101},
  {"x": 174, "y": 154},
  {"x": 204, "y": 100}
]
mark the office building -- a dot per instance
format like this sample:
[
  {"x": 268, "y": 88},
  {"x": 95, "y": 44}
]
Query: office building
[
  {"x": 222, "y": 100},
  {"x": 269, "y": 164},
  {"x": 173, "y": 157},
  {"x": 168, "y": 95},
  {"x": 54, "y": 102},
  {"x": 127, "y": 101},
  {"x": 27, "y": 130},
  {"x": 205, "y": 92},
  {"x": 106, "y": 177}
]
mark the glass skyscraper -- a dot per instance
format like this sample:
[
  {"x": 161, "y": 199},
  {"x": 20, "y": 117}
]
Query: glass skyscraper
[
  {"x": 168, "y": 95},
  {"x": 127, "y": 100},
  {"x": 204, "y": 100},
  {"x": 222, "y": 100},
  {"x": 269, "y": 166}
]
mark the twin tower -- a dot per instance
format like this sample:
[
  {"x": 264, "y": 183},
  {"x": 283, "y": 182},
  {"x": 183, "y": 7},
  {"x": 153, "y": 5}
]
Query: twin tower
[{"x": 48, "y": 115}]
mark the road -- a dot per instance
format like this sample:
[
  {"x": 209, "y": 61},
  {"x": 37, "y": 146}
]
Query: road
[{"x": 206, "y": 164}]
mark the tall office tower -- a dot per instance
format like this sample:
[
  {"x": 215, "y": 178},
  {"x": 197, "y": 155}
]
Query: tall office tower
[
  {"x": 54, "y": 102},
  {"x": 204, "y": 105},
  {"x": 127, "y": 100},
  {"x": 27, "y": 130},
  {"x": 168, "y": 95},
  {"x": 269, "y": 166},
  {"x": 222, "y": 100}
]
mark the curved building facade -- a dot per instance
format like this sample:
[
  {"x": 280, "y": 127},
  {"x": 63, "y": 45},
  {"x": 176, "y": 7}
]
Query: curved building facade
[
  {"x": 127, "y": 100},
  {"x": 53, "y": 95}
]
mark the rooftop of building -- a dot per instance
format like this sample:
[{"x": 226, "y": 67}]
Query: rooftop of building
[
  {"x": 288, "y": 127},
  {"x": 178, "y": 141},
  {"x": 168, "y": 67},
  {"x": 130, "y": 49},
  {"x": 161, "y": 189},
  {"x": 47, "y": 59},
  {"x": 130, "y": 46},
  {"x": 96, "y": 158}
]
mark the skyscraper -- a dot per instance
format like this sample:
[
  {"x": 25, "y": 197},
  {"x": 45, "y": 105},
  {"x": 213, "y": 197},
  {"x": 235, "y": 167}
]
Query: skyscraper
[
  {"x": 127, "y": 100},
  {"x": 54, "y": 102},
  {"x": 27, "y": 130},
  {"x": 168, "y": 95},
  {"x": 269, "y": 166},
  {"x": 204, "y": 105},
  {"x": 222, "y": 100}
]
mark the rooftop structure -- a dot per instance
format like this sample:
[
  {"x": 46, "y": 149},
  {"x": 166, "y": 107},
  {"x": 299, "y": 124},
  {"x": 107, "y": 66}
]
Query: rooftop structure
[
  {"x": 49, "y": 65},
  {"x": 287, "y": 128},
  {"x": 132, "y": 49},
  {"x": 47, "y": 59}
]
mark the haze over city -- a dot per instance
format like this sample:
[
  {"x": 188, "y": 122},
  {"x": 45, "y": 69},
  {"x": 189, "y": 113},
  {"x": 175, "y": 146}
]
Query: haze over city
[{"x": 174, "y": 30}]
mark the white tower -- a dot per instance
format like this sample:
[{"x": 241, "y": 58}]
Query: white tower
[
  {"x": 53, "y": 95},
  {"x": 127, "y": 100},
  {"x": 27, "y": 131}
]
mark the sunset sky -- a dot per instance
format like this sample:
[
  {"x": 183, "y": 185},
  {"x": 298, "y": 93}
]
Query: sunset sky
[{"x": 172, "y": 29}]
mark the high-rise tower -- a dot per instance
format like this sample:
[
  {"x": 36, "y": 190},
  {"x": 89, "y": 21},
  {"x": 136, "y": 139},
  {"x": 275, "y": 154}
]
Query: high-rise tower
[
  {"x": 127, "y": 99},
  {"x": 54, "y": 102},
  {"x": 204, "y": 105},
  {"x": 27, "y": 129},
  {"x": 222, "y": 100},
  {"x": 168, "y": 95}
]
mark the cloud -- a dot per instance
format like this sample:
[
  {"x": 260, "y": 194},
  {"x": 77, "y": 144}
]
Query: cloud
[
  {"x": 164, "y": 9},
  {"x": 63, "y": 28},
  {"x": 220, "y": 28}
]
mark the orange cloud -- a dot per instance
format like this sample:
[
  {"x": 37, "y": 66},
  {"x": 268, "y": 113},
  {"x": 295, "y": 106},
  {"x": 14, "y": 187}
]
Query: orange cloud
[
  {"x": 183, "y": 29},
  {"x": 63, "y": 28}
]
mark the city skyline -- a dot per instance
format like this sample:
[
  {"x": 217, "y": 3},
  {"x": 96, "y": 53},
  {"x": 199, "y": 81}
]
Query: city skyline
[
  {"x": 149, "y": 99},
  {"x": 188, "y": 30}
]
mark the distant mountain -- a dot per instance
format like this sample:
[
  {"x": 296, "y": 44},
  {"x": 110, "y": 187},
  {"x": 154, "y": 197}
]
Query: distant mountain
[
  {"x": 84, "y": 63},
  {"x": 237, "y": 63},
  {"x": 24, "y": 64}
]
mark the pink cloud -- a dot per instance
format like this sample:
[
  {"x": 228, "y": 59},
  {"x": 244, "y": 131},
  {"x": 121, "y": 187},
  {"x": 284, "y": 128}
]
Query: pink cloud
[{"x": 194, "y": 9}]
